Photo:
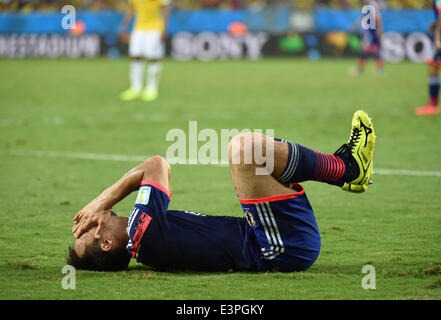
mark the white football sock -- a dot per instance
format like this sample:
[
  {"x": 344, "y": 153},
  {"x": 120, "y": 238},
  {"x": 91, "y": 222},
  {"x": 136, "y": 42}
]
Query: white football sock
[
  {"x": 153, "y": 71},
  {"x": 136, "y": 74}
]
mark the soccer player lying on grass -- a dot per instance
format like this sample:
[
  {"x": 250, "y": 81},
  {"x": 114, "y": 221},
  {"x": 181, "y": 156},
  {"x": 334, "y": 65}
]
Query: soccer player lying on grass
[{"x": 278, "y": 233}]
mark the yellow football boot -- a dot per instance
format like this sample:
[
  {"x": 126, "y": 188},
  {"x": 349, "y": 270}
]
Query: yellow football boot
[
  {"x": 360, "y": 153},
  {"x": 129, "y": 95},
  {"x": 149, "y": 95}
]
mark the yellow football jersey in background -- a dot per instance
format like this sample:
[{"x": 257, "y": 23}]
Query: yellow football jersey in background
[{"x": 148, "y": 14}]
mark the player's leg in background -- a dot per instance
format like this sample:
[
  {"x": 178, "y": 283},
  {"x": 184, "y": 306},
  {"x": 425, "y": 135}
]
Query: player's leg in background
[
  {"x": 137, "y": 66},
  {"x": 362, "y": 60},
  {"x": 434, "y": 84},
  {"x": 379, "y": 61},
  {"x": 154, "y": 52},
  {"x": 153, "y": 74},
  {"x": 432, "y": 108},
  {"x": 366, "y": 51}
]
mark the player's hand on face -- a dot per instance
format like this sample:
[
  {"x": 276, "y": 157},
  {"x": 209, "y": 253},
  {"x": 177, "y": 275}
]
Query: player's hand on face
[{"x": 91, "y": 215}]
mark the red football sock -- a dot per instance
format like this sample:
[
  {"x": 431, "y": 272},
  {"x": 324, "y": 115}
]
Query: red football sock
[{"x": 433, "y": 101}]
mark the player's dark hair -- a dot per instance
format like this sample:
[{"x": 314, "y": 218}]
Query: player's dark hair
[{"x": 98, "y": 260}]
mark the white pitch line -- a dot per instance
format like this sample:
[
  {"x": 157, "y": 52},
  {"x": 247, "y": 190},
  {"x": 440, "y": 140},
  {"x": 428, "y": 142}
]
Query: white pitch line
[
  {"x": 79, "y": 155},
  {"x": 397, "y": 172},
  {"x": 139, "y": 158}
]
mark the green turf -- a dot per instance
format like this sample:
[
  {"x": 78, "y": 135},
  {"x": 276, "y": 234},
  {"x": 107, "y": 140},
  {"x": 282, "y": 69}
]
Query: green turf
[{"x": 72, "y": 106}]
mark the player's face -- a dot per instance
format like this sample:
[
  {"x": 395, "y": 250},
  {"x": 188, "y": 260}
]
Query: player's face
[
  {"x": 84, "y": 241},
  {"x": 88, "y": 237}
]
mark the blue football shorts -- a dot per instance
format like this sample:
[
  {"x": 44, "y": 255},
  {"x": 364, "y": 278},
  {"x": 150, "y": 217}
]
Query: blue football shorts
[{"x": 286, "y": 230}]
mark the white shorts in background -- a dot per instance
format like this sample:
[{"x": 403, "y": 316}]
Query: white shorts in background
[{"x": 146, "y": 44}]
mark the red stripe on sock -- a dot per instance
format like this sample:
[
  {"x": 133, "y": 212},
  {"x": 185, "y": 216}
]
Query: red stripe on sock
[
  {"x": 328, "y": 167},
  {"x": 319, "y": 166}
]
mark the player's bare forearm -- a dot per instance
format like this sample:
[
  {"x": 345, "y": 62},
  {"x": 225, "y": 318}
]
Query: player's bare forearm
[
  {"x": 125, "y": 185},
  {"x": 122, "y": 188},
  {"x": 147, "y": 170},
  {"x": 99, "y": 209}
]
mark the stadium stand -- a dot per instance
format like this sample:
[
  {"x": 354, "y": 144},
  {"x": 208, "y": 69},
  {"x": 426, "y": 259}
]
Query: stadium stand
[{"x": 52, "y": 5}]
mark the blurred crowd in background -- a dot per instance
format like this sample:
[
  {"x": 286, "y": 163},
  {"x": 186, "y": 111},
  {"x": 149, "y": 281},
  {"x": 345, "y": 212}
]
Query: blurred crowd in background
[{"x": 120, "y": 5}]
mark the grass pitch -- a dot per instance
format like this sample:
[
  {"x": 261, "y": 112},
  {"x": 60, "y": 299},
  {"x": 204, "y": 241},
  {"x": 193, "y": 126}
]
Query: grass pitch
[{"x": 58, "y": 116}]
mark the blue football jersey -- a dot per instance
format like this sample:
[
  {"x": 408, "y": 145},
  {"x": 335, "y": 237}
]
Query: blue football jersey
[
  {"x": 173, "y": 239},
  {"x": 276, "y": 233}
]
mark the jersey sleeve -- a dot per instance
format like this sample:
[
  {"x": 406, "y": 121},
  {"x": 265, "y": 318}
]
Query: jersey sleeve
[{"x": 148, "y": 216}]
